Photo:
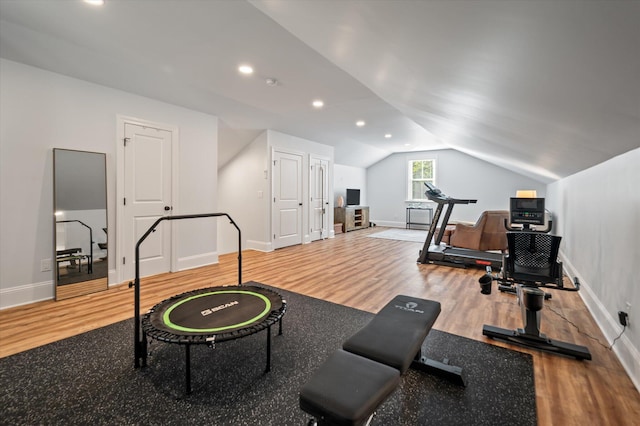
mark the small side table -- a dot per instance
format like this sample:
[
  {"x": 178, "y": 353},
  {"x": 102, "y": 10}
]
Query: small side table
[{"x": 409, "y": 222}]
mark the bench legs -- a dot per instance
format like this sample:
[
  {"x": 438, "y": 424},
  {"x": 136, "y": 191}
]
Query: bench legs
[{"x": 437, "y": 368}]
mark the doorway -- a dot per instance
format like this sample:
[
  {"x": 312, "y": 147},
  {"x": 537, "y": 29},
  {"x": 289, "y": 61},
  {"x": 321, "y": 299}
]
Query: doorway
[
  {"x": 287, "y": 199},
  {"x": 146, "y": 183},
  {"x": 318, "y": 198}
]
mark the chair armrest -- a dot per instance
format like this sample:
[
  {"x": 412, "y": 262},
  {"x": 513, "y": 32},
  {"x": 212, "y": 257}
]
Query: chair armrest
[{"x": 466, "y": 236}]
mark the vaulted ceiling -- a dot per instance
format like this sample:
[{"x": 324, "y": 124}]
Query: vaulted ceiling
[{"x": 544, "y": 88}]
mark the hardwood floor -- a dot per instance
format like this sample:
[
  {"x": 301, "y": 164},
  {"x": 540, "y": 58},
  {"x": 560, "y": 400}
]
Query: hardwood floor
[{"x": 365, "y": 273}]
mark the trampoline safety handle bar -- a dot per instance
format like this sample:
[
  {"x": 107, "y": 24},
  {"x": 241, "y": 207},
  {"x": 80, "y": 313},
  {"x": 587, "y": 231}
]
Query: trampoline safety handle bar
[{"x": 136, "y": 284}]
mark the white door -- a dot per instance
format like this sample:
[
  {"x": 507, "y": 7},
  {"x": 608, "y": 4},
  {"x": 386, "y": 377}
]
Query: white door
[
  {"x": 147, "y": 197},
  {"x": 287, "y": 199},
  {"x": 318, "y": 198}
]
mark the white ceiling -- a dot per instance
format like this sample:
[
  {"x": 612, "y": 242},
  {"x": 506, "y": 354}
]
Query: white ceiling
[{"x": 544, "y": 88}]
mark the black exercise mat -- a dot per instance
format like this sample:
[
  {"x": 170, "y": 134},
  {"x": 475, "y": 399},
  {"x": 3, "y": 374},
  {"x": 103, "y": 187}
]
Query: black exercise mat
[{"x": 90, "y": 378}]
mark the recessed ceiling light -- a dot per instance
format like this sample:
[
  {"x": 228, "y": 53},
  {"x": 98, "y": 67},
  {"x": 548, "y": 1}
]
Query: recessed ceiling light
[
  {"x": 95, "y": 2},
  {"x": 388, "y": 135},
  {"x": 245, "y": 69},
  {"x": 360, "y": 123},
  {"x": 407, "y": 144},
  {"x": 317, "y": 103}
]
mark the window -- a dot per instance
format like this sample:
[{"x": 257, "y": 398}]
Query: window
[{"x": 420, "y": 171}]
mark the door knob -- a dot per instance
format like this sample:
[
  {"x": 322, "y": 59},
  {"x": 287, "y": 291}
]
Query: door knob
[{"x": 167, "y": 208}]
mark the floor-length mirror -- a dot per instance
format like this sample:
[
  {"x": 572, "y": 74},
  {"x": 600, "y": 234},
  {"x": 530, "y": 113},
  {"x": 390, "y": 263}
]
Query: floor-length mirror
[{"x": 80, "y": 222}]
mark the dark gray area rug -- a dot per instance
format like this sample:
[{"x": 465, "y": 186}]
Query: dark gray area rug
[{"x": 90, "y": 379}]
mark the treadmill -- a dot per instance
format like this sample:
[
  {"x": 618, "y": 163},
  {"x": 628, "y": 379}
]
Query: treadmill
[{"x": 441, "y": 254}]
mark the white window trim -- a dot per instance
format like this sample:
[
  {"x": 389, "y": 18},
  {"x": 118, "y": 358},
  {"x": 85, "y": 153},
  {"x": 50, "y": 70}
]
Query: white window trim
[{"x": 409, "y": 181}]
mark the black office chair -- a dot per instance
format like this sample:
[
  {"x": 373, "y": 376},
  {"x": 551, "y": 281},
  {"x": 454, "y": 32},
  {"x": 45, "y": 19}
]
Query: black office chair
[{"x": 531, "y": 263}]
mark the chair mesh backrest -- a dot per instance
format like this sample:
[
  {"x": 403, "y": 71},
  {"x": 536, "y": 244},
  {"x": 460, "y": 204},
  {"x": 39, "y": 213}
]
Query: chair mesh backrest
[{"x": 533, "y": 250}]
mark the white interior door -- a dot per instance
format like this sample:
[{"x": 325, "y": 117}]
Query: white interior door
[
  {"x": 147, "y": 197},
  {"x": 287, "y": 199},
  {"x": 318, "y": 198}
]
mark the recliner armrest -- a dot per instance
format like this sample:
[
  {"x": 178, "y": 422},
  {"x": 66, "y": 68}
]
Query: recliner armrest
[{"x": 466, "y": 236}]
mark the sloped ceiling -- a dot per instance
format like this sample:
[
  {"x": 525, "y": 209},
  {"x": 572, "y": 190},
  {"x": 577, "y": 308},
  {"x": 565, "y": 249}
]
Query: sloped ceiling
[{"x": 544, "y": 88}]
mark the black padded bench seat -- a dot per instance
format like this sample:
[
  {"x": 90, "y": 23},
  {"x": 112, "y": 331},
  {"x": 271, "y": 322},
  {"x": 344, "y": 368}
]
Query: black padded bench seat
[
  {"x": 347, "y": 388},
  {"x": 395, "y": 335},
  {"x": 354, "y": 381}
]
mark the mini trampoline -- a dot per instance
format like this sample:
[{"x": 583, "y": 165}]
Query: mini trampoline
[{"x": 206, "y": 316}]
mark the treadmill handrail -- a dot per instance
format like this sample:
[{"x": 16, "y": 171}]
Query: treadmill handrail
[{"x": 440, "y": 198}]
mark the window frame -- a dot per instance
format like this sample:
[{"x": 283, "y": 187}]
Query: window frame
[{"x": 411, "y": 180}]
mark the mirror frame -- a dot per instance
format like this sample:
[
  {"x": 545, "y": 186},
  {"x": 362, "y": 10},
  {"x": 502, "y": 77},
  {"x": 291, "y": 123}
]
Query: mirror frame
[{"x": 89, "y": 285}]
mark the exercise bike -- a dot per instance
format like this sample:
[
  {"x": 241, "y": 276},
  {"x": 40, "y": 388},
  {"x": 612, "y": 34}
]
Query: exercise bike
[{"x": 531, "y": 264}]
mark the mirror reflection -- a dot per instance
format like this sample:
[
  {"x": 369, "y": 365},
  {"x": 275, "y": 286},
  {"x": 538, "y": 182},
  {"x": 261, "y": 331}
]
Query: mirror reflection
[{"x": 80, "y": 212}]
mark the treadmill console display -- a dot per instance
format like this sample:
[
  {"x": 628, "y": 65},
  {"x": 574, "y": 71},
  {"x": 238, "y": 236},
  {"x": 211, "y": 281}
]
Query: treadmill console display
[{"x": 527, "y": 211}]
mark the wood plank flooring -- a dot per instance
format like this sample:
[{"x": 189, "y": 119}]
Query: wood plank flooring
[{"x": 365, "y": 273}]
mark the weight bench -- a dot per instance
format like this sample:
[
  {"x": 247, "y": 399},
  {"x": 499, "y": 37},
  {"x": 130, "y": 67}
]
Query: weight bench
[{"x": 356, "y": 379}]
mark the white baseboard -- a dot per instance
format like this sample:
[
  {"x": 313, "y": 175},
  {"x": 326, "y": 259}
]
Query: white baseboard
[
  {"x": 38, "y": 292},
  {"x": 259, "y": 246},
  {"x": 628, "y": 355},
  {"x": 26, "y": 294}
]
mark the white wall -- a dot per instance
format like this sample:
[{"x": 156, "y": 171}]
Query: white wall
[
  {"x": 599, "y": 220},
  {"x": 197, "y": 183},
  {"x": 246, "y": 192},
  {"x": 458, "y": 175},
  {"x": 349, "y": 177},
  {"x": 40, "y": 110}
]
